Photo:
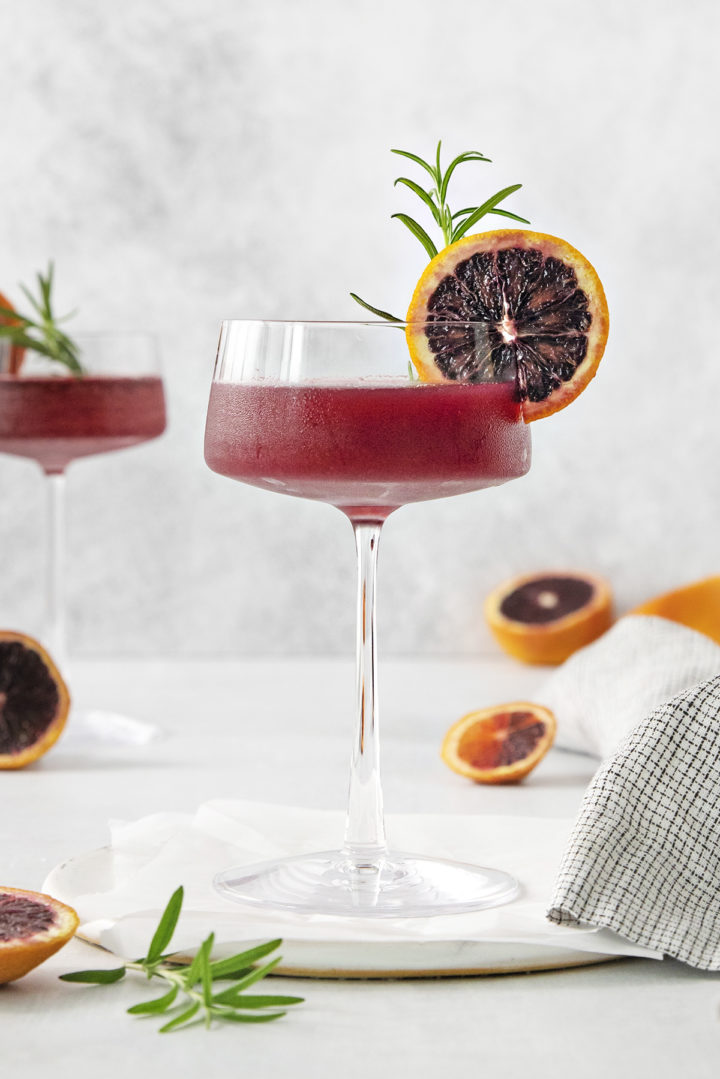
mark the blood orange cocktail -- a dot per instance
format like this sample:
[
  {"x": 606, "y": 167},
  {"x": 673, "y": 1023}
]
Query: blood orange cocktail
[
  {"x": 55, "y": 419},
  {"x": 367, "y": 448},
  {"x": 326, "y": 411}
]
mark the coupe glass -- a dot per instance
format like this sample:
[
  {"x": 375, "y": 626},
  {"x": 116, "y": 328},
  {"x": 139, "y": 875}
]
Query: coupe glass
[
  {"x": 55, "y": 417},
  {"x": 329, "y": 411}
]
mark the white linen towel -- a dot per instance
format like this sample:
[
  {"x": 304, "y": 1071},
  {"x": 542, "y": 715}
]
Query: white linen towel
[{"x": 604, "y": 690}]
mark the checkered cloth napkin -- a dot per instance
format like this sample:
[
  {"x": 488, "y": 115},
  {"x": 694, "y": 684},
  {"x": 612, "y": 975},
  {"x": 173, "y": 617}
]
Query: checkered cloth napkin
[{"x": 644, "y": 855}]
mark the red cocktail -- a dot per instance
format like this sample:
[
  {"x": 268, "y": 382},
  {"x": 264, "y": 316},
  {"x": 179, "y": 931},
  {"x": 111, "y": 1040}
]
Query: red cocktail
[
  {"x": 367, "y": 449},
  {"x": 57, "y": 419}
]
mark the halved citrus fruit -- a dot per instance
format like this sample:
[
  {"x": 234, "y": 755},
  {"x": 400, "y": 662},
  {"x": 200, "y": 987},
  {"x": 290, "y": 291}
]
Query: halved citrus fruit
[
  {"x": 34, "y": 700},
  {"x": 13, "y": 358},
  {"x": 33, "y": 927},
  {"x": 543, "y": 307},
  {"x": 545, "y": 617},
  {"x": 696, "y": 605},
  {"x": 499, "y": 744}
]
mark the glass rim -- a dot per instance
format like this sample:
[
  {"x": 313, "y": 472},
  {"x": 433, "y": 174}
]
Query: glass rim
[
  {"x": 96, "y": 334},
  {"x": 354, "y": 323}
]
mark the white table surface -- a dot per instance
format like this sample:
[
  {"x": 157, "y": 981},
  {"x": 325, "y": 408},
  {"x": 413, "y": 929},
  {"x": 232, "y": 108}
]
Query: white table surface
[{"x": 280, "y": 731}]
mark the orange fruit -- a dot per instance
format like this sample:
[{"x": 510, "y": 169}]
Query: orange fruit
[
  {"x": 542, "y": 303},
  {"x": 545, "y": 617},
  {"x": 696, "y": 605},
  {"x": 499, "y": 744},
  {"x": 15, "y": 352},
  {"x": 34, "y": 700},
  {"x": 33, "y": 927}
]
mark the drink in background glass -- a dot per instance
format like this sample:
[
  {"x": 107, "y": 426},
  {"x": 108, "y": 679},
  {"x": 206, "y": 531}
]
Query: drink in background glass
[
  {"x": 54, "y": 417},
  {"x": 327, "y": 411}
]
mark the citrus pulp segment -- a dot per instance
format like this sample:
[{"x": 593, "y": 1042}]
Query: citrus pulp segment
[
  {"x": 33, "y": 927},
  {"x": 34, "y": 700},
  {"x": 528, "y": 306},
  {"x": 499, "y": 744}
]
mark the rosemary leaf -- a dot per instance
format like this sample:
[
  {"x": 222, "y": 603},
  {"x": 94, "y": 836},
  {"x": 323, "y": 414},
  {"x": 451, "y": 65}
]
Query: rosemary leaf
[
  {"x": 419, "y": 161},
  {"x": 182, "y": 1018},
  {"x": 237, "y": 1017},
  {"x": 419, "y": 232},
  {"x": 481, "y": 211},
  {"x": 166, "y": 927},
  {"x": 228, "y": 996},
  {"x": 255, "y": 1001},
  {"x": 375, "y": 310},
  {"x": 157, "y": 1006},
  {"x": 469, "y": 155},
  {"x": 205, "y": 975},
  {"x": 95, "y": 977},
  {"x": 223, "y": 967},
  {"x": 506, "y": 213},
  {"x": 421, "y": 194}
]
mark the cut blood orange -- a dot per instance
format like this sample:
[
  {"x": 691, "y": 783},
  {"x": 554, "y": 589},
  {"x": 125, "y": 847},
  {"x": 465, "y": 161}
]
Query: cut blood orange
[
  {"x": 11, "y": 358},
  {"x": 545, "y": 617},
  {"x": 34, "y": 700},
  {"x": 33, "y": 927},
  {"x": 543, "y": 306},
  {"x": 500, "y": 744}
]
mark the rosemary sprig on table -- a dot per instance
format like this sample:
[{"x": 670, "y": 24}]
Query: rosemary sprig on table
[
  {"x": 453, "y": 226},
  {"x": 191, "y": 997},
  {"x": 41, "y": 332}
]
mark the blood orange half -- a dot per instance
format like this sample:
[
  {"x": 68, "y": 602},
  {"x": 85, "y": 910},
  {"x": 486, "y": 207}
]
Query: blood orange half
[
  {"x": 34, "y": 700},
  {"x": 499, "y": 744},
  {"x": 545, "y": 617},
  {"x": 33, "y": 926},
  {"x": 541, "y": 305}
]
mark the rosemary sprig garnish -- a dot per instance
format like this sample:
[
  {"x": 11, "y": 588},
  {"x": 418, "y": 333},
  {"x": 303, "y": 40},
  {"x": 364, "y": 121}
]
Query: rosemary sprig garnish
[
  {"x": 41, "y": 332},
  {"x": 194, "y": 984},
  {"x": 453, "y": 226}
]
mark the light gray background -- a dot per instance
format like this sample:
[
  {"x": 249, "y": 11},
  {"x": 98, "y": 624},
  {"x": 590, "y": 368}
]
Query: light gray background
[{"x": 189, "y": 160}]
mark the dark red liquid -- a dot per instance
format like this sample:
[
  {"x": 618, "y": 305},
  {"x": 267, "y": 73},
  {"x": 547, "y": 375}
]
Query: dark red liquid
[
  {"x": 55, "y": 420},
  {"x": 367, "y": 449}
]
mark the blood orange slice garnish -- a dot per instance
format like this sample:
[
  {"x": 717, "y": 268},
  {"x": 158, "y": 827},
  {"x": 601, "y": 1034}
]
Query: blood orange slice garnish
[
  {"x": 543, "y": 305},
  {"x": 33, "y": 926},
  {"x": 34, "y": 700},
  {"x": 499, "y": 744}
]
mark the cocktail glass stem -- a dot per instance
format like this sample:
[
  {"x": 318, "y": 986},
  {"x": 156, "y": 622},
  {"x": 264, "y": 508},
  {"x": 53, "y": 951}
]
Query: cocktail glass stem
[
  {"x": 365, "y": 845},
  {"x": 54, "y": 629}
]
